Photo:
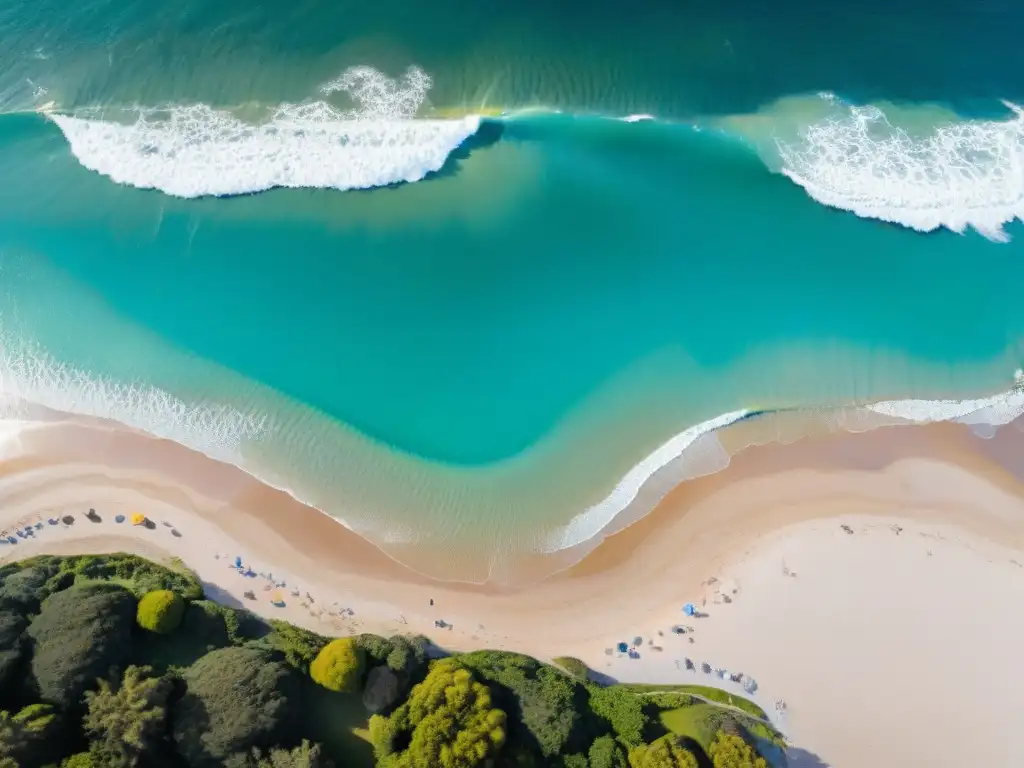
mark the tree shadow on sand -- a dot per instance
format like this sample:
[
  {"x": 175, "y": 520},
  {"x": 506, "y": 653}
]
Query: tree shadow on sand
[{"x": 801, "y": 758}]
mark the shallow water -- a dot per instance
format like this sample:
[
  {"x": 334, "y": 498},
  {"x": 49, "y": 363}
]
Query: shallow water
[{"x": 482, "y": 355}]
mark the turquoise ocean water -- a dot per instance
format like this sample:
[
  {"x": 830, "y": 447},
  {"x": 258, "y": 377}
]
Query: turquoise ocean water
[{"x": 407, "y": 260}]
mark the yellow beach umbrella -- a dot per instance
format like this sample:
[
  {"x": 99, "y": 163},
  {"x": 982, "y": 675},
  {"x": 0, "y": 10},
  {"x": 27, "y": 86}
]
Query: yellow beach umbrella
[{"x": 138, "y": 518}]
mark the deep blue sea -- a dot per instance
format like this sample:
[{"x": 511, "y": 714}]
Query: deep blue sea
[{"x": 454, "y": 271}]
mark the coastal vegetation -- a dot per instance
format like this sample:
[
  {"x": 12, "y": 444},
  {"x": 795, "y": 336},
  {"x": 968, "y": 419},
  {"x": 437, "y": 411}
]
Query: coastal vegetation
[{"x": 115, "y": 662}]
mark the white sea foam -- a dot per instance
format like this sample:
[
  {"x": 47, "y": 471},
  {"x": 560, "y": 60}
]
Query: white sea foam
[
  {"x": 967, "y": 173},
  {"x": 993, "y": 411},
  {"x": 696, "y": 452},
  {"x": 30, "y": 377},
  {"x": 593, "y": 520},
  {"x": 196, "y": 150}
]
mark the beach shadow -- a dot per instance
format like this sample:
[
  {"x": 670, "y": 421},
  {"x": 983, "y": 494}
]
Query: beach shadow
[
  {"x": 600, "y": 678},
  {"x": 801, "y": 758},
  {"x": 175, "y": 533},
  {"x": 220, "y": 595}
]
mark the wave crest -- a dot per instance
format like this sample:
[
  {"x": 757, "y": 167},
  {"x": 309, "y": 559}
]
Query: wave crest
[
  {"x": 196, "y": 150},
  {"x": 966, "y": 173}
]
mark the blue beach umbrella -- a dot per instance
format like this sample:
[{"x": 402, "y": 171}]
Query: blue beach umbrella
[
  {"x": 689, "y": 610},
  {"x": 119, "y": 519},
  {"x": 623, "y": 647}
]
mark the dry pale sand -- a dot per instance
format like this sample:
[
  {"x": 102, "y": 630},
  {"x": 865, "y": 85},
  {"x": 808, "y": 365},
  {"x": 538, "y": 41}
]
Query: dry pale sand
[{"x": 892, "y": 645}]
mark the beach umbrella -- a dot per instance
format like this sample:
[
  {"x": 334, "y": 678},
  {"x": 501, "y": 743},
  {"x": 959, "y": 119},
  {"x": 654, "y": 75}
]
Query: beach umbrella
[
  {"x": 138, "y": 519},
  {"x": 623, "y": 647},
  {"x": 689, "y": 610},
  {"x": 119, "y": 519}
]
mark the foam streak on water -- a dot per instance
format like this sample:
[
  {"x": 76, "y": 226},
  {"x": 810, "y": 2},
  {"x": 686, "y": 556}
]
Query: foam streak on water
[
  {"x": 968, "y": 173},
  {"x": 28, "y": 376},
  {"x": 197, "y": 150}
]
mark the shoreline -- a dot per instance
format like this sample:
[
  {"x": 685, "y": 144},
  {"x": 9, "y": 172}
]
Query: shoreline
[
  {"x": 938, "y": 483},
  {"x": 642, "y": 488}
]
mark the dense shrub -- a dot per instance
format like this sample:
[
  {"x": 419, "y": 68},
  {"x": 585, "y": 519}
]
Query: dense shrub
[
  {"x": 80, "y": 760},
  {"x": 447, "y": 722},
  {"x": 667, "y": 752},
  {"x": 145, "y": 575},
  {"x": 731, "y": 751},
  {"x": 203, "y": 622},
  {"x": 299, "y": 646},
  {"x": 77, "y": 637},
  {"x": 408, "y": 655},
  {"x": 624, "y": 712},
  {"x": 605, "y": 752},
  {"x": 574, "y": 667},
  {"x": 338, "y": 666},
  {"x": 305, "y": 755},
  {"x": 127, "y": 721},
  {"x": 160, "y": 611},
  {"x": 242, "y": 626},
  {"x": 31, "y": 737},
  {"x": 545, "y": 707},
  {"x": 236, "y": 699},
  {"x": 376, "y": 648},
  {"x": 25, "y": 589},
  {"x": 12, "y": 644}
]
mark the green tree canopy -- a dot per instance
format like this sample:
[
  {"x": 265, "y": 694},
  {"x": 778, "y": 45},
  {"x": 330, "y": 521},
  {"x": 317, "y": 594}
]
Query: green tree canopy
[
  {"x": 605, "y": 752},
  {"x": 731, "y": 751},
  {"x": 237, "y": 699},
  {"x": 78, "y": 636},
  {"x": 624, "y": 712},
  {"x": 447, "y": 722},
  {"x": 299, "y": 646},
  {"x": 408, "y": 655},
  {"x": 126, "y": 721},
  {"x": 338, "y": 666},
  {"x": 545, "y": 706},
  {"x": 12, "y": 644},
  {"x": 667, "y": 752},
  {"x": 79, "y": 760},
  {"x": 13, "y": 740},
  {"x": 31, "y": 737},
  {"x": 160, "y": 611},
  {"x": 305, "y": 755},
  {"x": 24, "y": 587}
]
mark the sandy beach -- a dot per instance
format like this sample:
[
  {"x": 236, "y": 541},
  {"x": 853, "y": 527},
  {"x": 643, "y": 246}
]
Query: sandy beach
[{"x": 870, "y": 580}]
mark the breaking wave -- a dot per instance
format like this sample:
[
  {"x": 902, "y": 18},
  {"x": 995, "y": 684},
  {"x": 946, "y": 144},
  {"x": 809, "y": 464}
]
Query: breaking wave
[
  {"x": 955, "y": 174},
  {"x": 697, "y": 451},
  {"x": 30, "y": 378},
  {"x": 197, "y": 150}
]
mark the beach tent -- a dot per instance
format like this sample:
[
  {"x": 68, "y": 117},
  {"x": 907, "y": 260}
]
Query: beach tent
[
  {"x": 689, "y": 610},
  {"x": 138, "y": 519},
  {"x": 277, "y": 599},
  {"x": 623, "y": 647},
  {"x": 238, "y": 562}
]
